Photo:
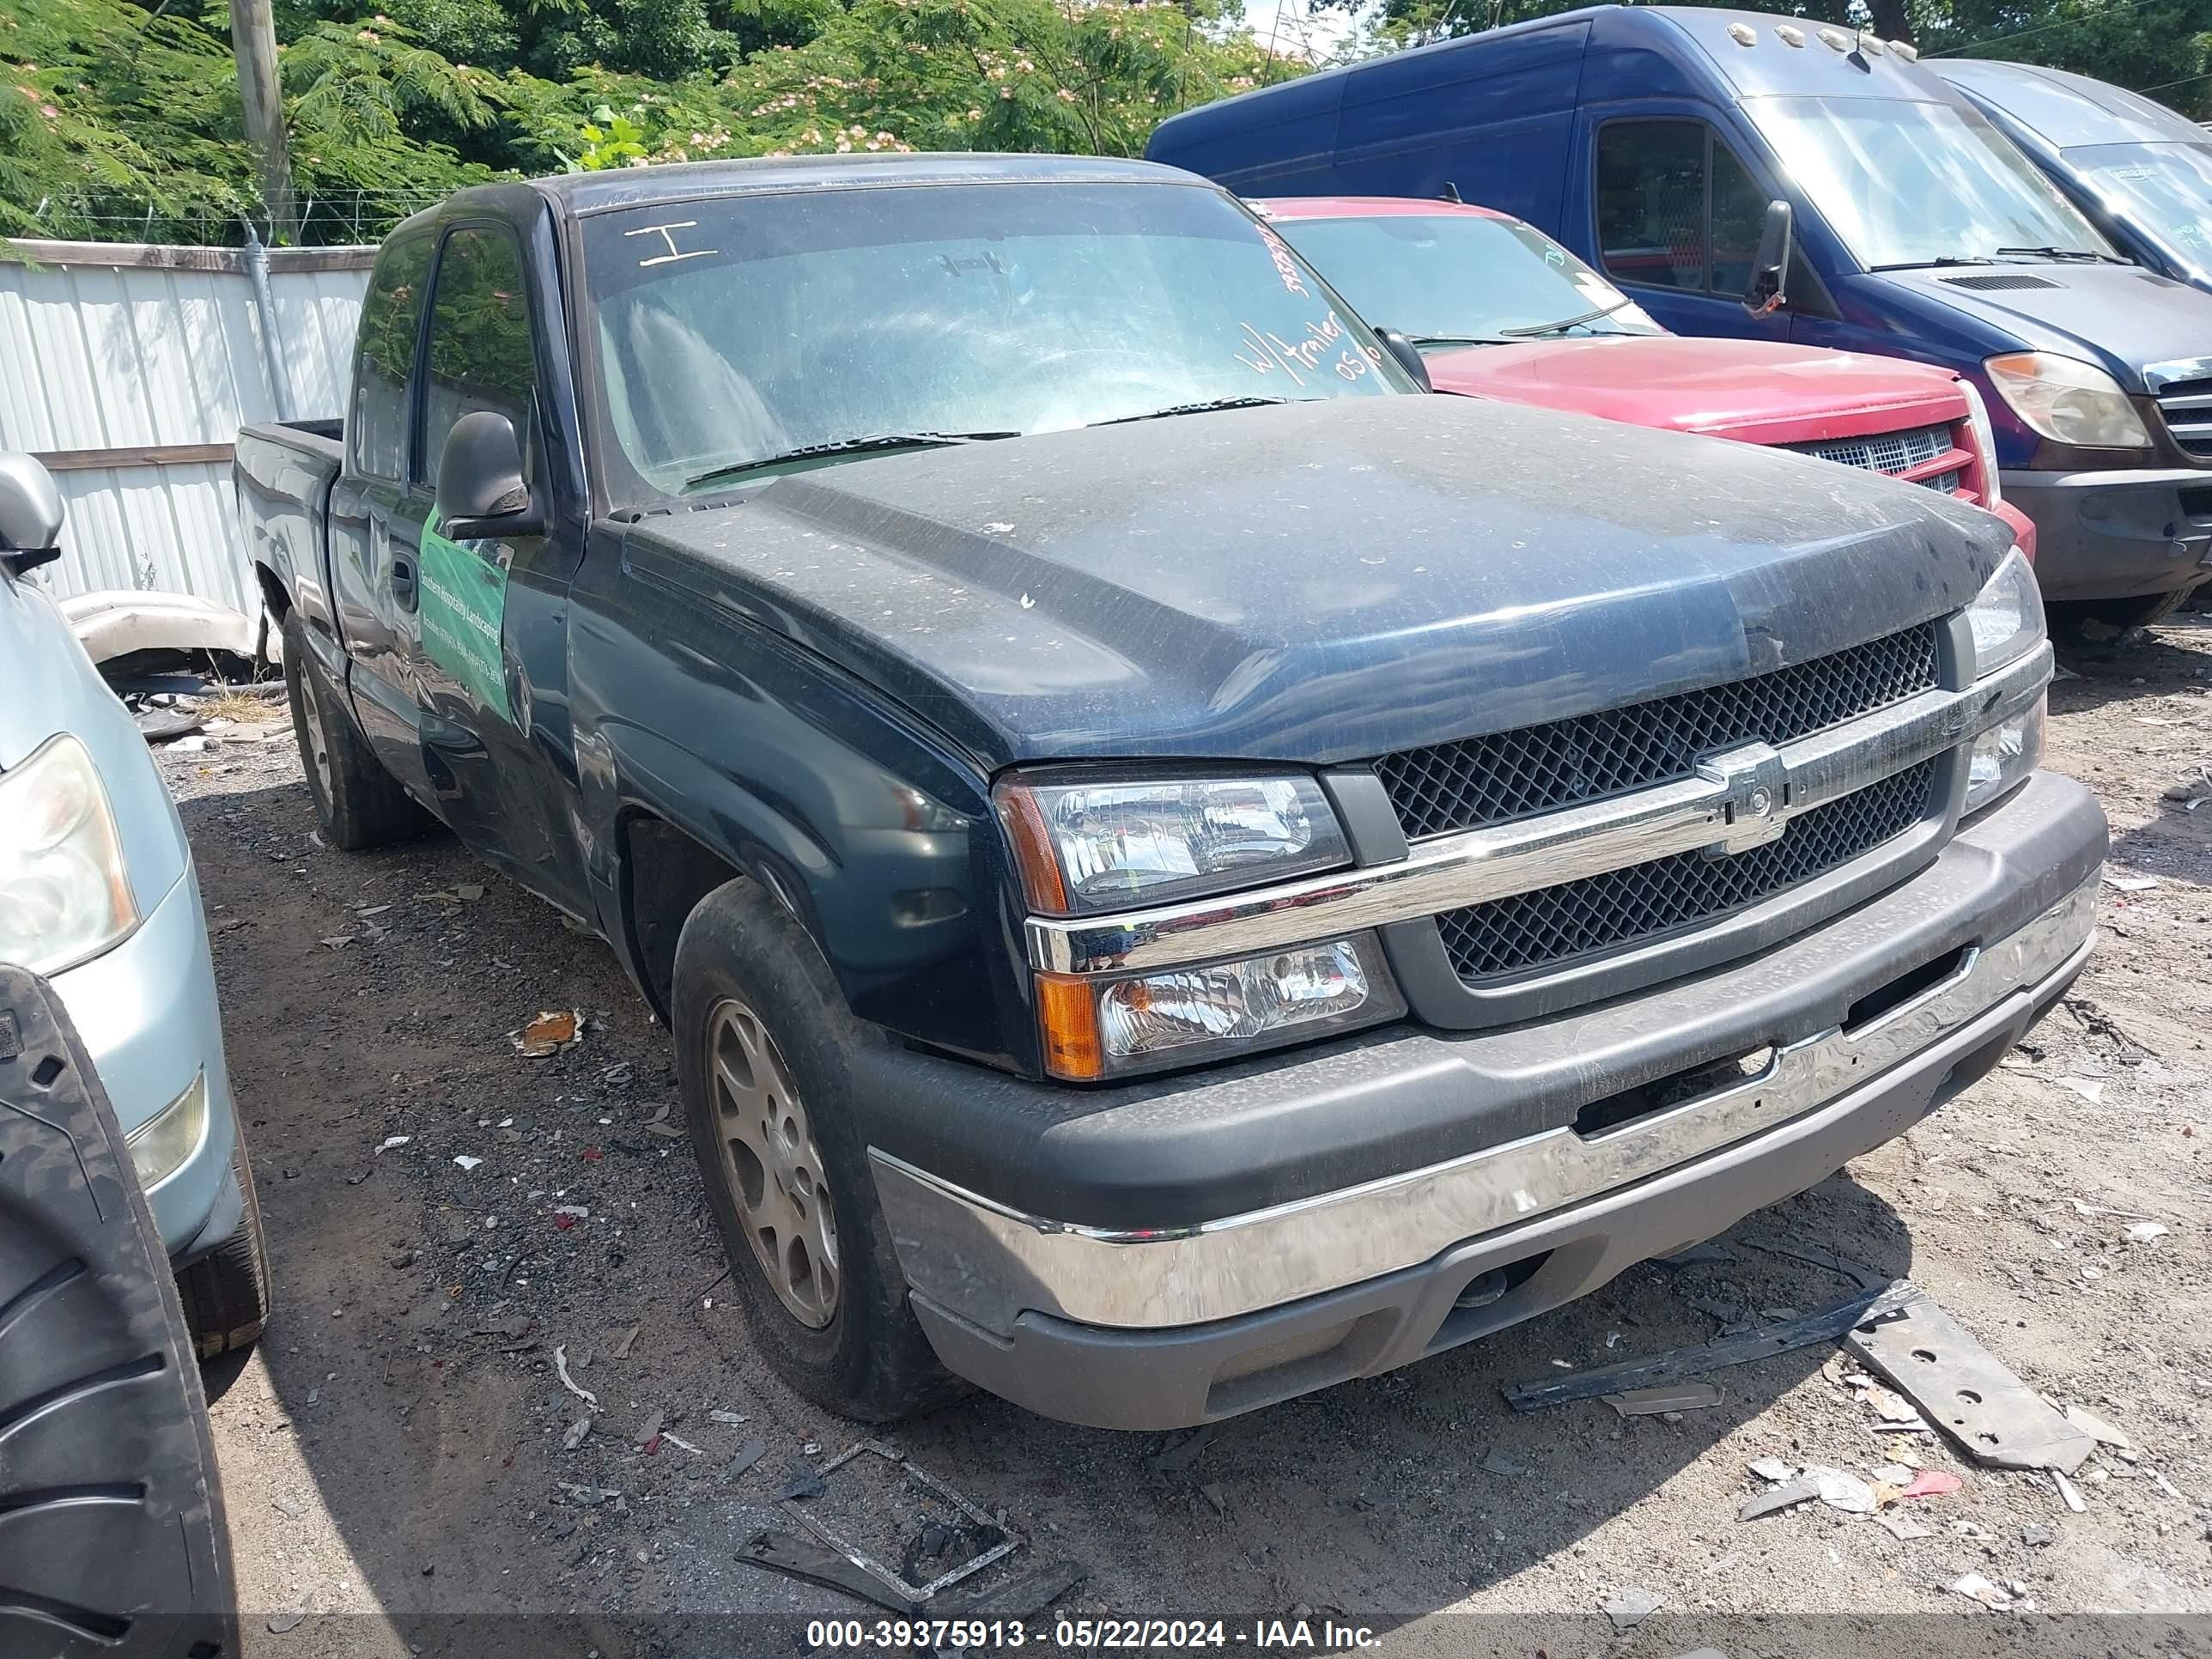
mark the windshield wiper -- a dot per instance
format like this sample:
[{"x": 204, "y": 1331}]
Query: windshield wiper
[
  {"x": 1423, "y": 341},
  {"x": 2082, "y": 253},
  {"x": 1565, "y": 323},
  {"x": 847, "y": 446},
  {"x": 1209, "y": 405},
  {"x": 1941, "y": 259}
]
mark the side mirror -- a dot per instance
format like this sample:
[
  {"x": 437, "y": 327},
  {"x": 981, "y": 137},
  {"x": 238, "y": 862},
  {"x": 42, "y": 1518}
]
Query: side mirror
[
  {"x": 1769, "y": 267},
  {"x": 30, "y": 513},
  {"x": 1408, "y": 356},
  {"x": 481, "y": 490}
]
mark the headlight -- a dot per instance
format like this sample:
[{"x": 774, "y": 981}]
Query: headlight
[
  {"x": 1094, "y": 1028},
  {"x": 1083, "y": 848},
  {"x": 2067, "y": 401},
  {"x": 64, "y": 894},
  {"x": 1985, "y": 440},
  {"x": 2004, "y": 755},
  {"x": 2006, "y": 616},
  {"x": 159, "y": 1145}
]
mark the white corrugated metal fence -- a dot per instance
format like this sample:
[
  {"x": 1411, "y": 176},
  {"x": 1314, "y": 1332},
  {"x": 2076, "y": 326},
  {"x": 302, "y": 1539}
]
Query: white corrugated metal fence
[{"x": 130, "y": 368}]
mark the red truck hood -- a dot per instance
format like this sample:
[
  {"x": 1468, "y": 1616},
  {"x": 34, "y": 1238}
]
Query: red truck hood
[{"x": 1754, "y": 391}]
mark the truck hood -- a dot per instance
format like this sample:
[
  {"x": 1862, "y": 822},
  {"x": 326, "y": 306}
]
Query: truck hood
[
  {"x": 2121, "y": 316},
  {"x": 1759, "y": 392},
  {"x": 1319, "y": 581}
]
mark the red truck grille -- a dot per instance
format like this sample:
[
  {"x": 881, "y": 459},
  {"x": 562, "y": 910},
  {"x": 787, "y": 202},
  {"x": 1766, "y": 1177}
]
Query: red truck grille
[{"x": 1935, "y": 456}]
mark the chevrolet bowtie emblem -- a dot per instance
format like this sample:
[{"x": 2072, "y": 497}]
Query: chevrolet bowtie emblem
[{"x": 1756, "y": 793}]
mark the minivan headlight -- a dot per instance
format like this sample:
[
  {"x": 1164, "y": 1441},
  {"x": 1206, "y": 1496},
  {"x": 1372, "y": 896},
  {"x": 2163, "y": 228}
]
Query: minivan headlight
[
  {"x": 1086, "y": 847},
  {"x": 2067, "y": 401},
  {"x": 163, "y": 1143},
  {"x": 64, "y": 891},
  {"x": 2006, "y": 616}
]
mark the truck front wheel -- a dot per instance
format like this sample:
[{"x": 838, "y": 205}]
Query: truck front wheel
[
  {"x": 762, "y": 1043},
  {"x": 357, "y": 802}
]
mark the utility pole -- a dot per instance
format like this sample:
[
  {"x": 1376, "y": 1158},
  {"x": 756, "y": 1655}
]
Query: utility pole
[{"x": 253, "y": 39}]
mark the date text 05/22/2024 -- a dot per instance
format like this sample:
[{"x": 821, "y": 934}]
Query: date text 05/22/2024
[{"x": 1092, "y": 1635}]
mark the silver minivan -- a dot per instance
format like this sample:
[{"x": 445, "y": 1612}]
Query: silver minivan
[{"x": 98, "y": 895}]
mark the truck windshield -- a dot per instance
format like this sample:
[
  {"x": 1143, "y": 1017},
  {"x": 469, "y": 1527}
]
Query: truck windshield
[
  {"x": 741, "y": 335},
  {"x": 2165, "y": 188},
  {"x": 1460, "y": 279},
  {"x": 1909, "y": 183}
]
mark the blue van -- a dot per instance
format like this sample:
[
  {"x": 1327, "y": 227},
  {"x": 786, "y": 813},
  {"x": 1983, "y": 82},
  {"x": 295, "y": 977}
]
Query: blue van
[
  {"x": 1665, "y": 145},
  {"x": 2141, "y": 172}
]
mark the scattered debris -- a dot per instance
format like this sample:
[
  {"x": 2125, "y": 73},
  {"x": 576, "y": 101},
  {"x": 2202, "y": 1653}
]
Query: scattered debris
[
  {"x": 984, "y": 1529},
  {"x": 1028, "y": 1592},
  {"x": 1931, "y": 1483},
  {"x": 1676, "y": 1397},
  {"x": 619, "y": 1348},
  {"x": 289, "y": 1620},
  {"x": 1773, "y": 1468},
  {"x": 1786, "y": 1496},
  {"x": 730, "y": 1419},
  {"x": 2036, "y": 1535},
  {"x": 340, "y": 941},
  {"x": 2095, "y": 1427},
  {"x": 549, "y": 1033},
  {"x": 2143, "y": 1232},
  {"x": 1630, "y": 1608},
  {"x": 285, "y": 1504},
  {"x": 1839, "y": 1491},
  {"x": 1180, "y": 1455},
  {"x": 2130, "y": 883},
  {"x": 804, "y": 1484},
  {"x": 469, "y": 891},
  {"x": 1967, "y": 1391},
  {"x": 680, "y": 1442},
  {"x": 390, "y": 1141},
  {"x": 1495, "y": 1461},
  {"x": 1903, "y": 1528},
  {"x": 1989, "y": 1593},
  {"x": 748, "y": 1455},
  {"x": 577, "y": 1432},
  {"x": 794, "y": 1557},
  {"x": 561, "y": 1371},
  {"x": 2090, "y": 1089},
  {"x": 1822, "y": 1325},
  {"x": 649, "y": 1430},
  {"x": 466, "y": 1161}
]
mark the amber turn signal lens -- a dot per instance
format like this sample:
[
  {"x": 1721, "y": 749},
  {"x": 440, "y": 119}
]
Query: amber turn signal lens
[
  {"x": 1067, "y": 1020},
  {"x": 1032, "y": 843}
]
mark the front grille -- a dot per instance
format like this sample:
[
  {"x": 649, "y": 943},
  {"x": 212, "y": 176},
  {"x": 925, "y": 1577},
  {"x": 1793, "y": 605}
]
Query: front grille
[
  {"x": 1509, "y": 774},
  {"x": 2187, "y": 406},
  {"x": 1885, "y": 451},
  {"x": 1555, "y": 925}
]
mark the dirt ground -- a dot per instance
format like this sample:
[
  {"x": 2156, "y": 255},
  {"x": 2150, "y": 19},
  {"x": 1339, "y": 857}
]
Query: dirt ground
[{"x": 393, "y": 1451}]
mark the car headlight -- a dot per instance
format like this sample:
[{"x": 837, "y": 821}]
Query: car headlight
[
  {"x": 64, "y": 892},
  {"x": 1083, "y": 848},
  {"x": 2004, "y": 755},
  {"x": 2067, "y": 401},
  {"x": 1985, "y": 440},
  {"x": 1112, "y": 1028},
  {"x": 2006, "y": 616},
  {"x": 161, "y": 1145}
]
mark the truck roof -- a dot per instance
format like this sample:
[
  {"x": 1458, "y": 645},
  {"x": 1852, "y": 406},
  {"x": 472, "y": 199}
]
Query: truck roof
[
  {"x": 2068, "y": 111},
  {"x": 581, "y": 193}
]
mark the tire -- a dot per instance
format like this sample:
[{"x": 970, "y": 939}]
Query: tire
[
  {"x": 749, "y": 981},
  {"x": 111, "y": 1533},
  {"x": 357, "y": 803},
  {"x": 225, "y": 1292}
]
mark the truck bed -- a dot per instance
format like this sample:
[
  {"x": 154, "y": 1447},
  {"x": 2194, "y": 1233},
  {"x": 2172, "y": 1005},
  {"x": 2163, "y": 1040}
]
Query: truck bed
[{"x": 284, "y": 470}]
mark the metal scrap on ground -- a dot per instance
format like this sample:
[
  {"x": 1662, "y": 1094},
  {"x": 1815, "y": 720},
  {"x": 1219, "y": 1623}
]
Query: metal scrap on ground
[{"x": 1967, "y": 1392}]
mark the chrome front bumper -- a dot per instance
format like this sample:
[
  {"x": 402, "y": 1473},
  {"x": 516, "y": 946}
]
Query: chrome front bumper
[{"x": 988, "y": 1265}]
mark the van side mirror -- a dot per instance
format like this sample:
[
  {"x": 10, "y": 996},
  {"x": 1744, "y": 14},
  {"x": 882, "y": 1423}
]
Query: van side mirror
[
  {"x": 1767, "y": 290},
  {"x": 1408, "y": 356},
  {"x": 30, "y": 513},
  {"x": 482, "y": 493}
]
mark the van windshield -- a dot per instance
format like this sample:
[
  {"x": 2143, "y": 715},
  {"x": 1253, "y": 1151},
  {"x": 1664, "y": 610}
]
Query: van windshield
[
  {"x": 2165, "y": 188},
  {"x": 1909, "y": 183},
  {"x": 1462, "y": 278},
  {"x": 755, "y": 333}
]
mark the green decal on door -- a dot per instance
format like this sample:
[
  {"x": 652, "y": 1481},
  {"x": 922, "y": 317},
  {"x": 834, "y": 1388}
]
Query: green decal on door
[{"x": 464, "y": 609}]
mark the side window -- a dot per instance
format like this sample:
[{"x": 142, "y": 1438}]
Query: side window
[
  {"x": 480, "y": 355},
  {"x": 384, "y": 357},
  {"x": 1675, "y": 208},
  {"x": 1651, "y": 202},
  {"x": 1739, "y": 217}
]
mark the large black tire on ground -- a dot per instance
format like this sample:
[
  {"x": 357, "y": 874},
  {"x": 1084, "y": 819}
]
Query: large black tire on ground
[
  {"x": 111, "y": 1536},
  {"x": 357, "y": 802},
  {"x": 869, "y": 1361},
  {"x": 225, "y": 1292}
]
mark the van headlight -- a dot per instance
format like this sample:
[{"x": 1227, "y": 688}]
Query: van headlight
[
  {"x": 166, "y": 1141},
  {"x": 2067, "y": 401},
  {"x": 1086, "y": 847},
  {"x": 64, "y": 892},
  {"x": 1106, "y": 1028},
  {"x": 2006, "y": 616}
]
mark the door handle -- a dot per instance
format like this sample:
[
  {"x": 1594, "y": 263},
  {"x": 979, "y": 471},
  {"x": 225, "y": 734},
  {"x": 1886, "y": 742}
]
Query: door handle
[{"x": 402, "y": 583}]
